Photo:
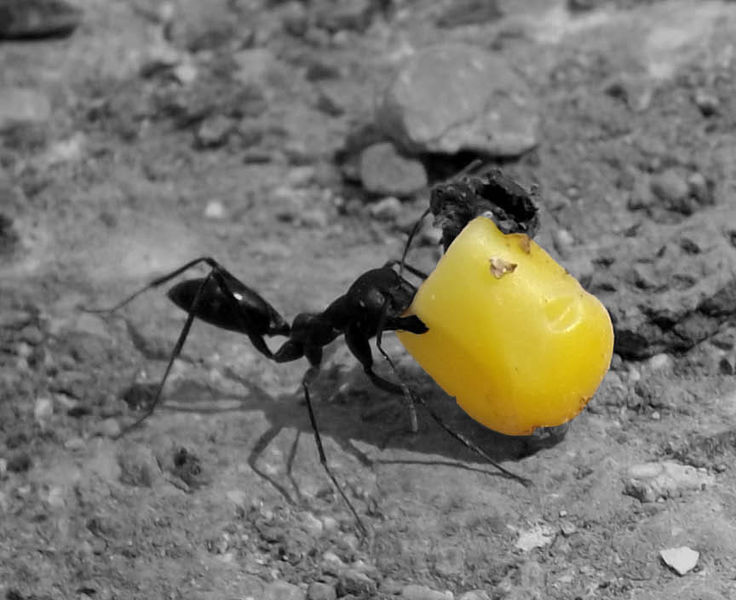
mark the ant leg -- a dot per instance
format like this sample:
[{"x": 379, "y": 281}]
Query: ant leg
[
  {"x": 414, "y": 423},
  {"x": 470, "y": 445},
  {"x": 412, "y": 270},
  {"x": 410, "y": 239},
  {"x": 357, "y": 343},
  {"x": 308, "y": 378},
  {"x": 159, "y": 281},
  {"x": 174, "y": 355},
  {"x": 258, "y": 449},
  {"x": 358, "y": 346}
]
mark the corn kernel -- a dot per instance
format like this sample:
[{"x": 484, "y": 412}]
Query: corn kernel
[{"x": 512, "y": 335}]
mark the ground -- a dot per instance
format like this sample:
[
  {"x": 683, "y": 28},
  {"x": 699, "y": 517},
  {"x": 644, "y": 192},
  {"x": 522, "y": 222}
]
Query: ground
[{"x": 140, "y": 148}]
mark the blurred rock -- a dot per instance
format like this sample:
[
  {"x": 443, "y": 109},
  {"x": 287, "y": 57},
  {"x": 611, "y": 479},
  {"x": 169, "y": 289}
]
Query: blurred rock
[
  {"x": 109, "y": 427},
  {"x": 536, "y": 537},
  {"x": 138, "y": 465},
  {"x": 474, "y": 595},
  {"x": 336, "y": 15},
  {"x": 469, "y": 12},
  {"x": 281, "y": 590},
  {"x": 42, "y": 411},
  {"x": 295, "y": 19},
  {"x": 384, "y": 171},
  {"x": 648, "y": 482},
  {"x": 23, "y": 107},
  {"x": 214, "y": 132},
  {"x": 387, "y": 209},
  {"x": 673, "y": 190},
  {"x": 197, "y": 26},
  {"x": 321, "y": 591},
  {"x": 454, "y": 97},
  {"x": 422, "y": 592},
  {"x": 215, "y": 210},
  {"x": 33, "y": 19},
  {"x": 352, "y": 581},
  {"x": 707, "y": 102}
]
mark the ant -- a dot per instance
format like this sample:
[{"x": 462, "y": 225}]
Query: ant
[{"x": 373, "y": 304}]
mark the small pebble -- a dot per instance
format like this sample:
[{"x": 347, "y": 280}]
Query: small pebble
[
  {"x": 650, "y": 482},
  {"x": 537, "y": 537},
  {"x": 421, "y": 592},
  {"x": 186, "y": 72},
  {"x": 567, "y": 528},
  {"x": 660, "y": 361},
  {"x": 281, "y": 590},
  {"x": 670, "y": 187},
  {"x": 56, "y": 497},
  {"x": 237, "y": 497},
  {"x": 214, "y": 210},
  {"x": 214, "y": 132},
  {"x": 563, "y": 241},
  {"x": 312, "y": 525},
  {"x": 681, "y": 560},
  {"x": 330, "y": 523},
  {"x": 384, "y": 171},
  {"x": 706, "y": 102},
  {"x": 74, "y": 444},
  {"x": 474, "y": 595},
  {"x": 108, "y": 428},
  {"x": 321, "y": 591},
  {"x": 351, "y": 581},
  {"x": 42, "y": 410},
  {"x": 314, "y": 218},
  {"x": 23, "y": 107},
  {"x": 699, "y": 188},
  {"x": 390, "y": 587},
  {"x": 331, "y": 563},
  {"x": 32, "y": 335},
  {"x": 138, "y": 465},
  {"x": 387, "y": 209},
  {"x": 300, "y": 176}
]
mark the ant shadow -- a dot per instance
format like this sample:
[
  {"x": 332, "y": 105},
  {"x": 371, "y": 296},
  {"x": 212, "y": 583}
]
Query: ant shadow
[{"x": 364, "y": 414}]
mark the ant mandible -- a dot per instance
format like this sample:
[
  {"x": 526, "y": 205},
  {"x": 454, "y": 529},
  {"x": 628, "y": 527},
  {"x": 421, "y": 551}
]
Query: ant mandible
[{"x": 373, "y": 304}]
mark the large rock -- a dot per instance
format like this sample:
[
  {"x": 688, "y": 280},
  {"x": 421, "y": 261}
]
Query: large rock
[
  {"x": 30, "y": 19},
  {"x": 385, "y": 171},
  {"x": 455, "y": 97},
  {"x": 670, "y": 287}
]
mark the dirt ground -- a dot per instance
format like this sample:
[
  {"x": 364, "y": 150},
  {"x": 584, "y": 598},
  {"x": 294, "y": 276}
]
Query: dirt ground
[{"x": 141, "y": 149}]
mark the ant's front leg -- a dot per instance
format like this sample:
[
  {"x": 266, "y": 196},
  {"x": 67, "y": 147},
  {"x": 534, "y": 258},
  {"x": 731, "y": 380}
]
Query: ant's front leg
[
  {"x": 406, "y": 324},
  {"x": 412, "y": 324}
]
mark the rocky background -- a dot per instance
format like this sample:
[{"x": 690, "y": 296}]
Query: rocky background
[{"x": 295, "y": 141}]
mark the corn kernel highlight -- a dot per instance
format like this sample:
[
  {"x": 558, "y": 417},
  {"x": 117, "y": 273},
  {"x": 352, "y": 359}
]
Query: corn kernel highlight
[{"x": 512, "y": 336}]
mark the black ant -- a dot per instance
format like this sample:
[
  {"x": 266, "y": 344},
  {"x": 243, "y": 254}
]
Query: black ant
[{"x": 372, "y": 305}]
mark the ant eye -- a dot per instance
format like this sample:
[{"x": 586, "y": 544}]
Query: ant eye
[{"x": 512, "y": 335}]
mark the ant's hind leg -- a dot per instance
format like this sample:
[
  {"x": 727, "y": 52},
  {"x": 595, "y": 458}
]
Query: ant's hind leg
[
  {"x": 157, "y": 282},
  {"x": 174, "y": 355},
  {"x": 308, "y": 378}
]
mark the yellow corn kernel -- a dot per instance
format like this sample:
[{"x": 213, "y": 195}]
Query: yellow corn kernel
[{"x": 512, "y": 335}]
